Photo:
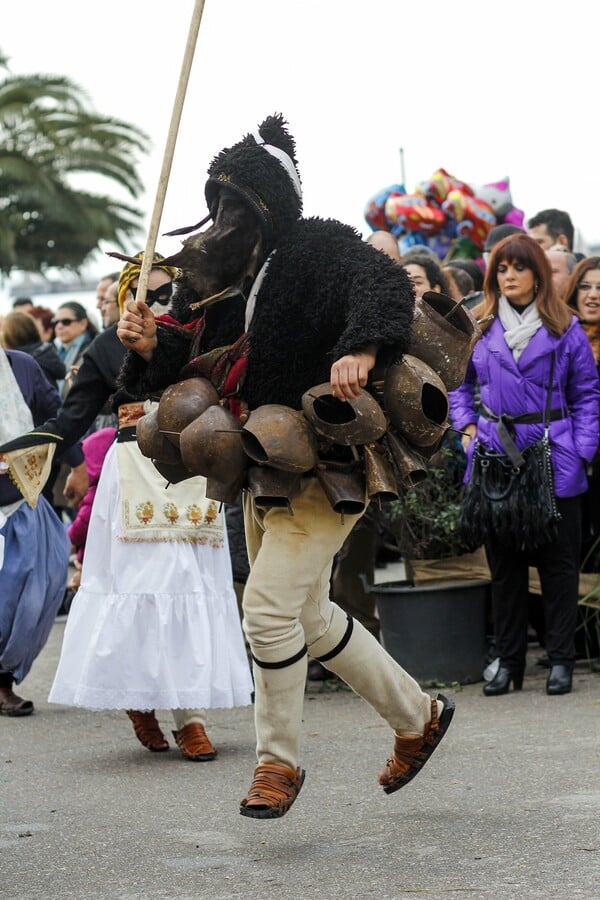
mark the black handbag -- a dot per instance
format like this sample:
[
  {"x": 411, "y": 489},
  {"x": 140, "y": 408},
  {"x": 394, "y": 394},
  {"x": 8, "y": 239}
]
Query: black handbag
[{"x": 509, "y": 498}]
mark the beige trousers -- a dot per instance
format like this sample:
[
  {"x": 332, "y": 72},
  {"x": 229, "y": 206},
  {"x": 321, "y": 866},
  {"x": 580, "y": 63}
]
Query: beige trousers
[
  {"x": 287, "y": 608},
  {"x": 183, "y": 717}
]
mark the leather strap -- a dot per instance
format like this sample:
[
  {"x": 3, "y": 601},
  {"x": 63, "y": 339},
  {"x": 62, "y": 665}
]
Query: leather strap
[
  {"x": 284, "y": 662},
  {"x": 505, "y": 422},
  {"x": 339, "y": 647}
]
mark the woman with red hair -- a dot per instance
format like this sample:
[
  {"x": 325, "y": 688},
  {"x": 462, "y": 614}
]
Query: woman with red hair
[{"x": 532, "y": 349}]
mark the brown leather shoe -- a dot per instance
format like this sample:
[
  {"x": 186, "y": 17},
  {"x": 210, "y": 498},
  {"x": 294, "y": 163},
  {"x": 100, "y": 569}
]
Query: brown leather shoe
[
  {"x": 411, "y": 753},
  {"x": 194, "y": 743},
  {"x": 147, "y": 730},
  {"x": 273, "y": 790}
]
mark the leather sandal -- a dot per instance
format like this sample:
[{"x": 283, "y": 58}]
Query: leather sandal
[
  {"x": 411, "y": 753},
  {"x": 193, "y": 743},
  {"x": 147, "y": 730},
  {"x": 273, "y": 790}
]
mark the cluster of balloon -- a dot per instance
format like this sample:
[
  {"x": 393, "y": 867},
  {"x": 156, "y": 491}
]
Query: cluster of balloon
[{"x": 450, "y": 216}]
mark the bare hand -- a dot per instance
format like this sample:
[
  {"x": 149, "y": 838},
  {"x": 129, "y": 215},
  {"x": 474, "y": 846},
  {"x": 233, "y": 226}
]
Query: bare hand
[
  {"x": 137, "y": 329},
  {"x": 350, "y": 373},
  {"x": 469, "y": 433},
  {"x": 76, "y": 484}
]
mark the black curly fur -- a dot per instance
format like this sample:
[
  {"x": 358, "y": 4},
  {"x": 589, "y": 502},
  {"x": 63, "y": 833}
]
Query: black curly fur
[
  {"x": 326, "y": 293},
  {"x": 223, "y": 324},
  {"x": 253, "y": 172}
]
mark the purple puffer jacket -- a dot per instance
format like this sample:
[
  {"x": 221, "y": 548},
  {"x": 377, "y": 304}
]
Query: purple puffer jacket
[{"x": 512, "y": 388}]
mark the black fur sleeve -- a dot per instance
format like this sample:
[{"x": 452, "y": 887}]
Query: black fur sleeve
[
  {"x": 379, "y": 307},
  {"x": 141, "y": 379}
]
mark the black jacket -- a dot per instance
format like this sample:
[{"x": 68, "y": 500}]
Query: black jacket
[
  {"x": 50, "y": 362},
  {"x": 96, "y": 382}
]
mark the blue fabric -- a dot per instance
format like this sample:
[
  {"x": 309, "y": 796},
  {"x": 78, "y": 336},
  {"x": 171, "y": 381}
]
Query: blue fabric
[{"x": 32, "y": 583}]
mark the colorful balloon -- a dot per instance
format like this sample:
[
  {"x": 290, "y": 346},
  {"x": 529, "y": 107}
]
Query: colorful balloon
[{"x": 375, "y": 208}]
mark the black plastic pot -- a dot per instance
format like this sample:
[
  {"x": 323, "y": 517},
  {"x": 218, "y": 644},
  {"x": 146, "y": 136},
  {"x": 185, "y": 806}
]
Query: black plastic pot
[{"x": 437, "y": 633}]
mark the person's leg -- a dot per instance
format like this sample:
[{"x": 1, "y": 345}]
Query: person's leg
[
  {"x": 283, "y": 605},
  {"x": 419, "y": 722},
  {"x": 356, "y": 558},
  {"x": 558, "y": 566},
  {"x": 349, "y": 650},
  {"x": 190, "y": 735},
  {"x": 10, "y": 703},
  {"x": 510, "y": 580},
  {"x": 290, "y": 557}
]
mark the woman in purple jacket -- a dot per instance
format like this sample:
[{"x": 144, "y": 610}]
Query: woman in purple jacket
[{"x": 525, "y": 325}]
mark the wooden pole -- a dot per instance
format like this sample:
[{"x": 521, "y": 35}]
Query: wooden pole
[{"x": 165, "y": 171}]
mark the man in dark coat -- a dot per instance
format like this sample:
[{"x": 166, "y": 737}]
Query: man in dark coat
[{"x": 322, "y": 305}]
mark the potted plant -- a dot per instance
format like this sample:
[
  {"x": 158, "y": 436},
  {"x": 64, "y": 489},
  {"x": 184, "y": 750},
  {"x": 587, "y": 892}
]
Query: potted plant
[
  {"x": 434, "y": 623},
  {"x": 424, "y": 521}
]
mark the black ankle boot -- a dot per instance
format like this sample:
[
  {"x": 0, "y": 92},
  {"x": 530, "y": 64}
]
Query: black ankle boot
[
  {"x": 560, "y": 680},
  {"x": 500, "y": 683}
]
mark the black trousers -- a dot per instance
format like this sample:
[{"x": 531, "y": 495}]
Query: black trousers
[
  {"x": 558, "y": 567},
  {"x": 6, "y": 680}
]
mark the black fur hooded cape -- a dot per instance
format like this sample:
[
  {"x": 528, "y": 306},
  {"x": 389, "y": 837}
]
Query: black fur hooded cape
[{"x": 326, "y": 293}]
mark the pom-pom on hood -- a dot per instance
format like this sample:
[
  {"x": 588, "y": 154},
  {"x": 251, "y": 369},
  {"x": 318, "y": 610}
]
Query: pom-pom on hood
[{"x": 262, "y": 170}]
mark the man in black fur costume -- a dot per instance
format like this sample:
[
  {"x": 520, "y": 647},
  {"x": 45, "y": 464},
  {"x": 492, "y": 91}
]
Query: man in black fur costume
[{"x": 314, "y": 303}]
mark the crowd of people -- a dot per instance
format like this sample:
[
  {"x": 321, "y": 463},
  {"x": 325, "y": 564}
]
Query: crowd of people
[{"x": 267, "y": 304}]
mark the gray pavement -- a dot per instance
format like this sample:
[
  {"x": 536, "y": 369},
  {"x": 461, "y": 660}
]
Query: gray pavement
[{"x": 507, "y": 807}]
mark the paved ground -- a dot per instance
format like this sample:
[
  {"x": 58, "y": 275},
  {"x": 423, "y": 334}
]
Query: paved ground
[{"x": 508, "y": 806}]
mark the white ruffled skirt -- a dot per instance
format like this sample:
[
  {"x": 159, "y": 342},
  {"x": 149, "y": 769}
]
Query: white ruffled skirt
[{"x": 154, "y": 625}]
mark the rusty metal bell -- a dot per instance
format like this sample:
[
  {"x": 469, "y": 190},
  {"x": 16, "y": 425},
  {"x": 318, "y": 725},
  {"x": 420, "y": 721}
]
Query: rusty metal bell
[
  {"x": 152, "y": 442},
  {"x": 173, "y": 473},
  {"x": 443, "y": 335},
  {"x": 344, "y": 488},
  {"x": 280, "y": 436},
  {"x": 273, "y": 488},
  {"x": 416, "y": 401},
  {"x": 224, "y": 492},
  {"x": 183, "y": 402},
  {"x": 379, "y": 474},
  {"x": 211, "y": 446},
  {"x": 347, "y": 422},
  {"x": 412, "y": 468}
]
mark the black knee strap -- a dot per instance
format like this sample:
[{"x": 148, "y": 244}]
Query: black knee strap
[
  {"x": 283, "y": 663},
  {"x": 342, "y": 643}
]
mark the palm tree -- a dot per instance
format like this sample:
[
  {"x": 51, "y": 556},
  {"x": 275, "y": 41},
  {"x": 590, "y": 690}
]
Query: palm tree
[{"x": 47, "y": 136}]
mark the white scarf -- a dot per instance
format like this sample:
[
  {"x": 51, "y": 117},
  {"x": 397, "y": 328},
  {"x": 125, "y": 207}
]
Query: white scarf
[
  {"x": 15, "y": 418},
  {"x": 29, "y": 467},
  {"x": 519, "y": 328},
  {"x": 15, "y": 415}
]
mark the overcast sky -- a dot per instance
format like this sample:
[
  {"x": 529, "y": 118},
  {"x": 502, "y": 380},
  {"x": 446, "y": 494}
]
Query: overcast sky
[{"x": 483, "y": 90}]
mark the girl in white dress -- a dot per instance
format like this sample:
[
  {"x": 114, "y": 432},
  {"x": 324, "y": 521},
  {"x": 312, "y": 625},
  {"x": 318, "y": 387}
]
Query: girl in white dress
[{"x": 155, "y": 623}]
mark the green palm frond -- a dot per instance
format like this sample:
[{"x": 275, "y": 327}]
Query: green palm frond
[{"x": 48, "y": 136}]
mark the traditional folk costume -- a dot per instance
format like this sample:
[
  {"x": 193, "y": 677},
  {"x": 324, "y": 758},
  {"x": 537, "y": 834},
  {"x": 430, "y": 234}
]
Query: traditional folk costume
[
  {"x": 34, "y": 549},
  {"x": 315, "y": 292},
  {"x": 155, "y": 623}
]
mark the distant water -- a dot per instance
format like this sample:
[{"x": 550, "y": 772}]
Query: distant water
[{"x": 53, "y": 301}]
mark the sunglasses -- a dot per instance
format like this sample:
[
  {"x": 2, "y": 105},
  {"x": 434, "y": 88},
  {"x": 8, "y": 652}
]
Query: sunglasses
[
  {"x": 158, "y": 295},
  {"x": 63, "y": 321}
]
